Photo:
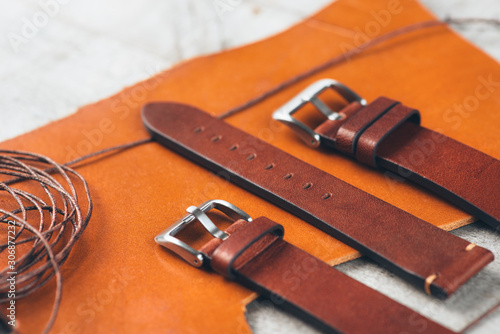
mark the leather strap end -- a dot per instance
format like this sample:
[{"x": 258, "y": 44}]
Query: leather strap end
[{"x": 453, "y": 276}]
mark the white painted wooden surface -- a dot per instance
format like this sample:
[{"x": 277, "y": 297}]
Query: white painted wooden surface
[{"x": 87, "y": 50}]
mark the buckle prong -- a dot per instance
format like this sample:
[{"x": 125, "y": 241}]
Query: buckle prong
[
  {"x": 310, "y": 95},
  {"x": 207, "y": 223},
  {"x": 325, "y": 110},
  {"x": 196, "y": 258}
]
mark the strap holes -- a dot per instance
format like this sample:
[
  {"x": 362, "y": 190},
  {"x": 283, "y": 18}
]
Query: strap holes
[
  {"x": 268, "y": 166},
  {"x": 199, "y": 129},
  {"x": 251, "y": 156},
  {"x": 234, "y": 147},
  {"x": 288, "y": 176},
  {"x": 307, "y": 185},
  {"x": 326, "y": 196},
  {"x": 215, "y": 139}
]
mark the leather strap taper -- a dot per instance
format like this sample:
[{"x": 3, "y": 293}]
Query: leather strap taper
[
  {"x": 388, "y": 135},
  {"x": 256, "y": 256},
  {"x": 419, "y": 252}
]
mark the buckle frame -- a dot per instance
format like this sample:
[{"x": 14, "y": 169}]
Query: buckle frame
[
  {"x": 196, "y": 258},
  {"x": 310, "y": 94}
]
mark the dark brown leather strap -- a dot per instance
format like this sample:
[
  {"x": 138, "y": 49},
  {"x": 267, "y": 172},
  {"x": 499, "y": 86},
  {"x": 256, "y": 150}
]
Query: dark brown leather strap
[
  {"x": 306, "y": 286},
  {"x": 415, "y": 250},
  {"x": 388, "y": 135}
]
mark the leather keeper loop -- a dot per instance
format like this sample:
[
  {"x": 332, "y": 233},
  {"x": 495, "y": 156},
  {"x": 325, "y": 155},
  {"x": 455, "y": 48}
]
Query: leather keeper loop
[
  {"x": 349, "y": 133},
  {"x": 366, "y": 148},
  {"x": 241, "y": 240}
]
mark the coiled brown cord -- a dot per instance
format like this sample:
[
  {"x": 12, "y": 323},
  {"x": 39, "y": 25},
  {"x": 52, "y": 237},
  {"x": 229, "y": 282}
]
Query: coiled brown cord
[
  {"x": 61, "y": 220},
  {"x": 48, "y": 219},
  {"x": 57, "y": 207}
]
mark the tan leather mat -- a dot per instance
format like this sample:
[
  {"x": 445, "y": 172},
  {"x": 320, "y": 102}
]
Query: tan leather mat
[{"x": 117, "y": 279}]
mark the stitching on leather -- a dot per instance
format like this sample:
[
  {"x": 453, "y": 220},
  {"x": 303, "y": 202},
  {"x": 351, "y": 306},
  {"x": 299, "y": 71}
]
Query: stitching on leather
[
  {"x": 470, "y": 247},
  {"x": 428, "y": 282}
]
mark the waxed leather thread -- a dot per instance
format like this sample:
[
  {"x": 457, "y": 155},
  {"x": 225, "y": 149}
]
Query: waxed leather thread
[
  {"x": 352, "y": 53},
  {"x": 65, "y": 212},
  {"x": 65, "y": 215}
]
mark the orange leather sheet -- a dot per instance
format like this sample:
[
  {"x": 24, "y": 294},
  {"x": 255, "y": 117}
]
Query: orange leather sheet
[{"x": 118, "y": 280}]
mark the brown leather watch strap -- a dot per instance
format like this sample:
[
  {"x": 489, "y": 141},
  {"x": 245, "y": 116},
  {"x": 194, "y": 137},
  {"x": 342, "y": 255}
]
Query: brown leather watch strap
[
  {"x": 421, "y": 253},
  {"x": 388, "y": 135},
  {"x": 261, "y": 260}
]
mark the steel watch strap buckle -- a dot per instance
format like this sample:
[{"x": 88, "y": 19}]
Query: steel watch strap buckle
[
  {"x": 310, "y": 95},
  {"x": 192, "y": 256}
]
